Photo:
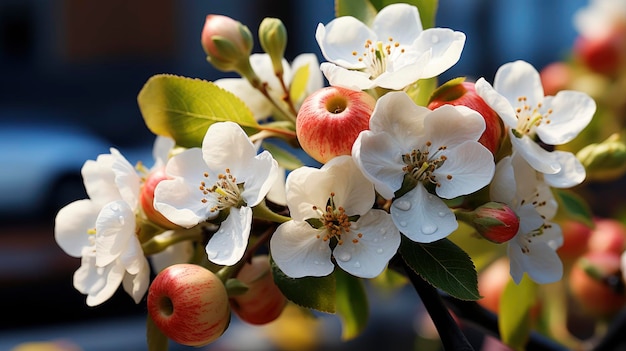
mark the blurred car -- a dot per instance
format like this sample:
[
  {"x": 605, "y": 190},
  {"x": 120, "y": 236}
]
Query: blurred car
[{"x": 40, "y": 162}]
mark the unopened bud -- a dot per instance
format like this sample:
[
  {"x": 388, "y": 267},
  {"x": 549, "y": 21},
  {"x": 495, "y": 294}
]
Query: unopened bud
[
  {"x": 273, "y": 39},
  {"x": 494, "y": 221},
  {"x": 146, "y": 199},
  {"x": 459, "y": 92},
  {"x": 606, "y": 160},
  {"x": 227, "y": 43}
]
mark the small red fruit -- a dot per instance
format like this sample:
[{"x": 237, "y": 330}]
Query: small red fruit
[
  {"x": 189, "y": 304},
  {"x": 464, "y": 93},
  {"x": 555, "y": 77},
  {"x": 146, "y": 199},
  {"x": 263, "y": 302},
  {"x": 603, "y": 55},
  {"x": 330, "y": 120},
  {"x": 596, "y": 283},
  {"x": 575, "y": 240}
]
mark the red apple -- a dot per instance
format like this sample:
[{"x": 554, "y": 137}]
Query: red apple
[
  {"x": 146, "y": 199},
  {"x": 575, "y": 240},
  {"x": 464, "y": 93},
  {"x": 596, "y": 282},
  {"x": 189, "y": 304},
  {"x": 604, "y": 54},
  {"x": 263, "y": 302},
  {"x": 330, "y": 120},
  {"x": 608, "y": 235}
]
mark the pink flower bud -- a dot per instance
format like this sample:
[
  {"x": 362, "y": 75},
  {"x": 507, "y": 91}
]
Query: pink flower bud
[
  {"x": 463, "y": 93},
  {"x": 227, "y": 42},
  {"x": 146, "y": 199},
  {"x": 496, "y": 222}
]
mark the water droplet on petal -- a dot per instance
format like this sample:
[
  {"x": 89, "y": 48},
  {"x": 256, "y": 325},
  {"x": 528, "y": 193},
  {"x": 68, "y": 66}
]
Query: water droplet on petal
[
  {"x": 316, "y": 262},
  {"x": 402, "y": 223},
  {"x": 115, "y": 207},
  {"x": 121, "y": 219},
  {"x": 212, "y": 255},
  {"x": 429, "y": 229},
  {"x": 379, "y": 251},
  {"x": 402, "y": 205},
  {"x": 345, "y": 257},
  {"x": 442, "y": 214},
  {"x": 357, "y": 264},
  {"x": 354, "y": 226},
  {"x": 434, "y": 39}
]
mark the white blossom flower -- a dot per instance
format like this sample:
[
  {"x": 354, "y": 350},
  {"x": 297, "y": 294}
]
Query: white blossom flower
[
  {"x": 533, "y": 249},
  {"x": 101, "y": 230},
  {"x": 262, "y": 65},
  {"x": 395, "y": 52},
  {"x": 225, "y": 174},
  {"x": 517, "y": 96},
  {"x": 436, "y": 149},
  {"x": 600, "y": 17},
  {"x": 332, "y": 206}
]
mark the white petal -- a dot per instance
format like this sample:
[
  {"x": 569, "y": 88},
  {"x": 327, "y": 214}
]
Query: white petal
[
  {"x": 571, "y": 174},
  {"x": 519, "y": 79},
  {"x": 368, "y": 257},
  {"x": 132, "y": 257},
  {"x": 422, "y": 217},
  {"x": 541, "y": 263},
  {"x": 571, "y": 113},
  {"x": 226, "y": 145},
  {"x": 398, "y": 21},
  {"x": 277, "y": 193},
  {"x": 340, "y": 38},
  {"x": 72, "y": 225},
  {"x": 161, "y": 150},
  {"x": 126, "y": 178},
  {"x": 115, "y": 227},
  {"x": 298, "y": 252},
  {"x": 502, "y": 188},
  {"x": 399, "y": 75},
  {"x": 395, "y": 113},
  {"x": 258, "y": 178},
  {"x": 179, "y": 199},
  {"x": 539, "y": 158},
  {"x": 529, "y": 219},
  {"x": 497, "y": 102},
  {"x": 307, "y": 187},
  {"x": 99, "y": 179},
  {"x": 341, "y": 77},
  {"x": 468, "y": 125},
  {"x": 380, "y": 159},
  {"x": 444, "y": 46},
  {"x": 468, "y": 168},
  {"x": 98, "y": 283},
  {"x": 227, "y": 246},
  {"x": 352, "y": 190},
  {"x": 257, "y": 103},
  {"x": 137, "y": 285}
]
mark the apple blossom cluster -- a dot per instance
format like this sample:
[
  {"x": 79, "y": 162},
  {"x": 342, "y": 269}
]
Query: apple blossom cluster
[{"x": 396, "y": 173}]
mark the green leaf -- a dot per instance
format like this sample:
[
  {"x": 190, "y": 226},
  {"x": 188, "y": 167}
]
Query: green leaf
[
  {"x": 351, "y": 304},
  {"x": 515, "y": 306},
  {"x": 284, "y": 158},
  {"x": 157, "y": 341},
  {"x": 316, "y": 293},
  {"x": 427, "y": 9},
  {"x": 573, "y": 206},
  {"x": 299, "y": 83},
  {"x": 481, "y": 251},
  {"x": 444, "y": 265},
  {"x": 184, "y": 108},
  {"x": 360, "y": 9}
]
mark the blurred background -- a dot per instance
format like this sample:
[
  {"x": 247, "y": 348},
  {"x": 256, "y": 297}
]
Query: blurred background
[{"x": 70, "y": 74}]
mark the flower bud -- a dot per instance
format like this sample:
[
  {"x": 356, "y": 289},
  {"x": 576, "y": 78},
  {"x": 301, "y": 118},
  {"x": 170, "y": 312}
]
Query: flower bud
[
  {"x": 273, "y": 38},
  {"x": 146, "y": 199},
  {"x": 606, "y": 160},
  {"x": 459, "y": 92},
  {"x": 494, "y": 221},
  {"x": 227, "y": 43}
]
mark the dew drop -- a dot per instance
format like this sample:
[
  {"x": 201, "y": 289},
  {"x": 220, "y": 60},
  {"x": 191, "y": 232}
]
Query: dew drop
[
  {"x": 115, "y": 207},
  {"x": 212, "y": 255},
  {"x": 345, "y": 257},
  {"x": 357, "y": 264},
  {"x": 434, "y": 39},
  {"x": 379, "y": 251},
  {"x": 354, "y": 226},
  {"x": 442, "y": 214},
  {"x": 402, "y": 223},
  {"x": 383, "y": 231},
  {"x": 429, "y": 229},
  {"x": 316, "y": 262},
  {"x": 402, "y": 205},
  {"x": 121, "y": 219}
]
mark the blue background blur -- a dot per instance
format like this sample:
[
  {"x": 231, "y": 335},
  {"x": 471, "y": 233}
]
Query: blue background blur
[{"x": 68, "y": 64}]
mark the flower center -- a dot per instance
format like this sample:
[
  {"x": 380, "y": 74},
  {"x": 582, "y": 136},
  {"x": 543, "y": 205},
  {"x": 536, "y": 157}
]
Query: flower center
[
  {"x": 529, "y": 117},
  {"x": 225, "y": 191},
  {"x": 378, "y": 56},
  {"x": 420, "y": 165},
  {"x": 335, "y": 220}
]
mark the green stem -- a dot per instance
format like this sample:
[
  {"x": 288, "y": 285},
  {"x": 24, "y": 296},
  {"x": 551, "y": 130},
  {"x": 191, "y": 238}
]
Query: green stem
[
  {"x": 159, "y": 243},
  {"x": 261, "y": 211}
]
